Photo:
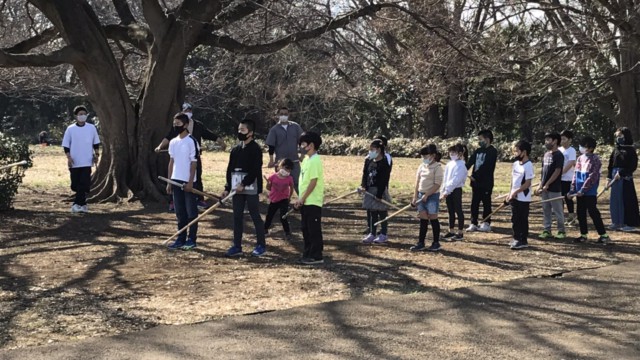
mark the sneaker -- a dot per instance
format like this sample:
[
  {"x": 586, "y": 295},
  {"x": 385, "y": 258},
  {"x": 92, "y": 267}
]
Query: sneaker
[
  {"x": 76, "y": 208},
  {"x": 435, "y": 247},
  {"x": 604, "y": 239},
  {"x": 381, "y": 239},
  {"x": 368, "y": 239},
  {"x": 561, "y": 235},
  {"x": 234, "y": 251},
  {"x": 448, "y": 237},
  {"x": 458, "y": 237},
  {"x": 628, "y": 229},
  {"x": 189, "y": 245},
  {"x": 472, "y": 228},
  {"x": 485, "y": 227},
  {"x": 259, "y": 250},
  {"x": 178, "y": 244},
  {"x": 310, "y": 261},
  {"x": 517, "y": 245},
  {"x": 615, "y": 227},
  {"x": 171, "y": 207},
  {"x": 580, "y": 239},
  {"x": 202, "y": 205},
  {"x": 545, "y": 235},
  {"x": 418, "y": 247}
]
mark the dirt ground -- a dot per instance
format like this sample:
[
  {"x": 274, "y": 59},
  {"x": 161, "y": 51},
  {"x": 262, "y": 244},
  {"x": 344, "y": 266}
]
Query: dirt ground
[{"x": 65, "y": 276}]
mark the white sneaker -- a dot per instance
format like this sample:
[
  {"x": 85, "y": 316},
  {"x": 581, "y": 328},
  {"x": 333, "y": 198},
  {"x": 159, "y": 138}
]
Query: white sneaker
[
  {"x": 472, "y": 228},
  {"x": 76, "y": 208},
  {"x": 84, "y": 209},
  {"x": 485, "y": 227}
]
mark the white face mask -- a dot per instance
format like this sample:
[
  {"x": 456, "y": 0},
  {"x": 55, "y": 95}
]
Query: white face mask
[
  {"x": 582, "y": 149},
  {"x": 284, "y": 173},
  {"x": 189, "y": 115},
  {"x": 427, "y": 161},
  {"x": 81, "y": 118},
  {"x": 453, "y": 157},
  {"x": 283, "y": 118}
]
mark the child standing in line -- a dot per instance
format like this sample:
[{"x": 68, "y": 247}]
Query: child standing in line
[
  {"x": 311, "y": 198},
  {"x": 426, "y": 196},
  {"x": 520, "y": 194},
  {"x": 569, "y": 153},
  {"x": 244, "y": 175},
  {"x": 585, "y": 187},
  {"x": 551, "y": 186},
  {"x": 483, "y": 162},
  {"x": 280, "y": 186},
  {"x": 455, "y": 175},
  {"x": 375, "y": 181}
]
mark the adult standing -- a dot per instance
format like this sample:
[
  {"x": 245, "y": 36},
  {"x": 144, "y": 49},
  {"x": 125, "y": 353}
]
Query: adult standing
[
  {"x": 198, "y": 131},
  {"x": 623, "y": 203},
  {"x": 283, "y": 143},
  {"x": 81, "y": 144}
]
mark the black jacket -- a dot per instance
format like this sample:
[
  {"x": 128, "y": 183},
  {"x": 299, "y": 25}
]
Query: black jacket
[
  {"x": 483, "y": 161},
  {"x": 625, "y": 158},
  {"x": 249, "y": 160},
  {"x": 199, "y": 132},
  {"x": 376, "y": 173}
]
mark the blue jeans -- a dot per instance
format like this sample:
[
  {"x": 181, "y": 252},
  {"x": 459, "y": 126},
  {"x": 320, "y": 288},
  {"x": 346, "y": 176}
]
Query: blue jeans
[
  {"x": 253, "y": 204},
  {"x": 186, "y": 205},
  {"x": 616, "y": 201}
]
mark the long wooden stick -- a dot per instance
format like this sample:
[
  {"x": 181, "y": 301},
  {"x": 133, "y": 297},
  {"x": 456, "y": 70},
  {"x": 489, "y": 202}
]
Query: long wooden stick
[
  {"x": 195, "y": 191},
  {"x": 217, "y": 205},
  {"x": 341, "y": 197},
  {"x": 549, "y": 200},
  {"x": 607, "y": 187},
  {"x": 23, "y": 162},
  {"x": 495, "y": 211},
  {"x": 394, "y": 214},
  {"x": 366, "y": 193},
  {"x": 507, "y": 194},
  {"x": 288, "y": 213}
]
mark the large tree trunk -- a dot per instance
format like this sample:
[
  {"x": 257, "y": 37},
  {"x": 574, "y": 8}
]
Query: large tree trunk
[
  {"x": 457, "y": 113},
  {"x": 626, "y": 87},
  {"x": 433, "y": 125}
]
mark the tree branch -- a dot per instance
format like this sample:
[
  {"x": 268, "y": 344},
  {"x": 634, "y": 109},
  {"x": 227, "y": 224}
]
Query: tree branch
[
  {"x": 233, "y": 45},
  {"x": 133, "y": 34},
  {"x": 155, "y": 17},
  {"x": 66, "y": 55},
  {"x": 124, "y": 12},
  {"x": 31, "y": 43}
]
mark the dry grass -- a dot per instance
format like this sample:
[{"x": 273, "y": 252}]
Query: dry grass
[{"x": 65, "y": 276}]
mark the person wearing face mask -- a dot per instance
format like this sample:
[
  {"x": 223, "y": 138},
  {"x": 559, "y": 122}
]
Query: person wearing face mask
[
  {"x": 280, "y": 187},
  {"x": 520, "y": 194},
  {"x": 375, "y": 180},
  {"x": 455, "y": 175},
  {"x": 569, "y": 154},
  {"x": 623, "y": 201},
  {"x": 282, "y": 141},
  {"x": 198, "y": 131},
  {"x": 244, "y": 175},
  {"x": 81, "y": 144},
  {"x": 551, "y": 186},
  {"x": 426, "y": 196},
  {"x": 585, "y": 187},
  {"x": 483, "y": 161},
  {"x": 183, "y": 163}
]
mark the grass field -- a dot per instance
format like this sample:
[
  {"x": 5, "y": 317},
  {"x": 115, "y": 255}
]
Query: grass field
[{"x": 66, "y": 276}]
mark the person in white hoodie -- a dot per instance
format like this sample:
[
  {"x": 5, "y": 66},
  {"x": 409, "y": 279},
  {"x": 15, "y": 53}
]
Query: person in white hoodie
[{"x": 455, "y": 175}]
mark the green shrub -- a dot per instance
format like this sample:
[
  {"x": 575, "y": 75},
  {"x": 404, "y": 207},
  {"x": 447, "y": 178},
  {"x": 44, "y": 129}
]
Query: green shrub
[{"x": 12, "y": 150}]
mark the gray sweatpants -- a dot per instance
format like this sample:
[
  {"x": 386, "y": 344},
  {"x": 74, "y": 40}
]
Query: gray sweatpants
[{"x": 553, "y": 207}]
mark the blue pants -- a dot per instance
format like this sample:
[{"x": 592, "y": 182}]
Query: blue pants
[
  {"x": 616, "y": 202},
  {"x": 186, "y": 205}
]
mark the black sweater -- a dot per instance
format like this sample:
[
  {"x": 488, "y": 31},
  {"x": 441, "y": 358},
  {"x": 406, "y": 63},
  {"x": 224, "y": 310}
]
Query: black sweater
[
  {"x": 249, "y": 160},
  {"x": 483, "y": 161},
  {"x": 625, "y": 158},
  {"x": 376, "y": 173}
]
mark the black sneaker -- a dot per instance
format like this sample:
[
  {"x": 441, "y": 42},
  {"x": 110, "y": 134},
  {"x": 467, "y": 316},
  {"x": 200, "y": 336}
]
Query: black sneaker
[
  {"x": 435, "y": 247},
  {"x": 310, "y": 261},
  {"x": 418, "y": 247},
  {"x": 604, "y": 239},
  {"x": 448, "y": 237},
  {"x": 580, "y": 239},
  {"x": 518, "y": 245},
  {"x": 458, "y": 237}
]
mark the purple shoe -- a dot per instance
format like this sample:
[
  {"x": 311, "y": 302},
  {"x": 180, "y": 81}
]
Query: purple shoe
[
  {"x": 368, "y": 239},
  {"x": 381, "y": 239}
]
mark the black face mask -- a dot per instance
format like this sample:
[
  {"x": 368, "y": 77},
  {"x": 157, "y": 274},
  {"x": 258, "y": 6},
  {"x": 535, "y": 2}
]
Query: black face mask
[
  {"x": 179, "y": 129},
  {"x": 620, "y": 141},
  {"x": 302, "y": 150},
  {"x": 242, "y": 137},
  {"x": 548, "y": 146}
]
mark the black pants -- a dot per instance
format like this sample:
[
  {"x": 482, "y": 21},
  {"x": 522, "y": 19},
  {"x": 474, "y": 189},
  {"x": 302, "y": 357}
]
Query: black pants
[
  {"x": 520, "y": 220},
  {"x": 80, "y": 183},
  {"x": 283, "y": 206},
  {"x": 589, "y": 204},
  {"x": 454, "y": 206},
  {"x": 566, "y": 187},
  {"x": 312, "y": 231},
  {"x": 373, "y": 217},
  {"x": 479, "y": 195},
  {"x": 252, "y": 202}
]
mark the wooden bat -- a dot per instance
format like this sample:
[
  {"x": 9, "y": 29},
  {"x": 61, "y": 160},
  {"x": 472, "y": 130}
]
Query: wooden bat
[
  {"x": 366, "y": 193},
  {"x": 195, "y": 191},
  {"x": 394, "y": 214},
  {"x": 23, "y": 162},
  {"x": 341, "y": 197}
]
